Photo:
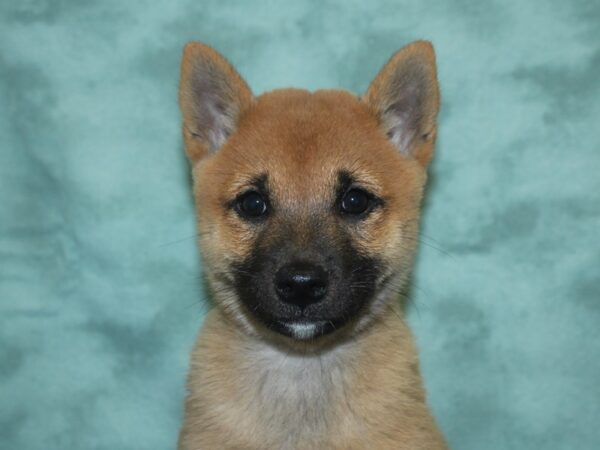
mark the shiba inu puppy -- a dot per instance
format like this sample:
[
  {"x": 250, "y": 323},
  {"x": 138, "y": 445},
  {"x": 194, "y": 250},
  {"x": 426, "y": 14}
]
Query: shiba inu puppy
[{"x": 308, "y": 210}]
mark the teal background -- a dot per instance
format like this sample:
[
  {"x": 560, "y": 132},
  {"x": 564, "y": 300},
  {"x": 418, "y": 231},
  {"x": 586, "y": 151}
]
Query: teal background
[{"x": 100, "y": 292}]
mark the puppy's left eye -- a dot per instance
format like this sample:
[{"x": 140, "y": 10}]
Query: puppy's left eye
[
  {"x": 251, "y": 205},
  {"x": 356, "y": 202}
]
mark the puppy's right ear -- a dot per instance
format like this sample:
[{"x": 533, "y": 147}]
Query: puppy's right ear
[
  {"x": 212, "y": 97},
  {"x": 406, "y": 99}
]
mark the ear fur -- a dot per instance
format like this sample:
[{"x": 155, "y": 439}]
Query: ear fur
[
  {"x": 405, "y": 97},
  {"x": 212, "y": 97}
]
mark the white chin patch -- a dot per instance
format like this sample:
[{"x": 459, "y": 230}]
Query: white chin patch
[{"x": 302, "y": 330}]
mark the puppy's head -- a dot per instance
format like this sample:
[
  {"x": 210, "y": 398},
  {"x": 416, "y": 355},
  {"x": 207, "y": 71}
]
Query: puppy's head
[{"x": 308, "y": 203}]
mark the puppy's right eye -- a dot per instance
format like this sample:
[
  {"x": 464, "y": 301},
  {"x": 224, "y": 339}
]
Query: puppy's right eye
[
  {"x": 356, "y": 202},
  {"x": 251, "y": 205}
]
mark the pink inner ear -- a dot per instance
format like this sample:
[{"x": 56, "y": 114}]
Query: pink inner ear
[{"x": 398, "y": 132}]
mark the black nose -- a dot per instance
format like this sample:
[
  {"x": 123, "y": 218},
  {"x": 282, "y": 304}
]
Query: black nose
[{"x": 301, "y": 283}]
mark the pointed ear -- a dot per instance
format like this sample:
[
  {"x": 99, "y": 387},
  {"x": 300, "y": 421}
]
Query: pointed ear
[
  {"x": 212, "y": 97},
  {"x": 405, "y": 98}
]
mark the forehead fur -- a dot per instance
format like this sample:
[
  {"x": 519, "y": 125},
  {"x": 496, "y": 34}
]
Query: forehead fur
[{"x": 301, "y": 140}]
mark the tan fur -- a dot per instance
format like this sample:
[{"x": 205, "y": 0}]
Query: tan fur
[{"x": 360, "y": 388}]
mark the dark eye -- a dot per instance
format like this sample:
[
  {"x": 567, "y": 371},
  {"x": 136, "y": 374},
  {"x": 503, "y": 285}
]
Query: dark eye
[
  {"x": 356, "y": 201},
  {"x": 251, "y": 205}
]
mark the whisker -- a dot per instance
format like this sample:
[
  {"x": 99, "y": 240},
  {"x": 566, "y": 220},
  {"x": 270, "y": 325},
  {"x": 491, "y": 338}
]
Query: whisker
[{"x": 196, "y": 235}]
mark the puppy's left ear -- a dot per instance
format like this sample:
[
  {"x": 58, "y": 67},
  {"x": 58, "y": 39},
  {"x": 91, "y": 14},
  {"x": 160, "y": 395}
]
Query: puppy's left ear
[
  {"x": 405, "y": 98},
  {"x": 212, "y": 97}
]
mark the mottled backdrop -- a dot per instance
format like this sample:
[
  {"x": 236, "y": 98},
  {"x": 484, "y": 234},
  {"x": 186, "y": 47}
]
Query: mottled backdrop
[{"x": 100, "y": 293}]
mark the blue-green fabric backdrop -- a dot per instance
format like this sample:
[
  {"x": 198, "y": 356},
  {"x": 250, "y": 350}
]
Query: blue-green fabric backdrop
[{"x": 100, "y": 292}]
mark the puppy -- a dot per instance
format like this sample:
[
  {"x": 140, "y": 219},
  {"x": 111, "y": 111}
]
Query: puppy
[{"x": 308, "y": 210}]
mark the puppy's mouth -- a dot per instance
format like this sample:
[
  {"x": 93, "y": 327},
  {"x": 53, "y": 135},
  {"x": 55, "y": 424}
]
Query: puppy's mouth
[{"x": 304, "y": 330}]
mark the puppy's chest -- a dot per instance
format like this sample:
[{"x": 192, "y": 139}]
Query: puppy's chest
[{"x": 295, "y": 396}]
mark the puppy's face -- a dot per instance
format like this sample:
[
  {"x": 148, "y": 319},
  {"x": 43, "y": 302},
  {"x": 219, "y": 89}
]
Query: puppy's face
[{"x": 308, "y": 203}]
